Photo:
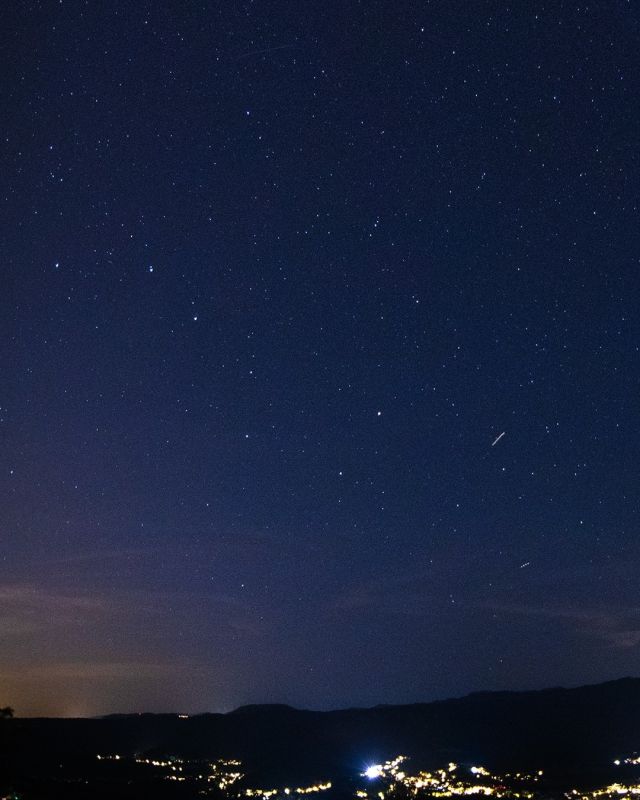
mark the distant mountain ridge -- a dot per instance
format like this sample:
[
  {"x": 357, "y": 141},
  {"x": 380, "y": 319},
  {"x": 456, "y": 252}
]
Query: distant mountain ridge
[
  {"x": 566, "y": 732},
  {"x": 267, "y": 707}
]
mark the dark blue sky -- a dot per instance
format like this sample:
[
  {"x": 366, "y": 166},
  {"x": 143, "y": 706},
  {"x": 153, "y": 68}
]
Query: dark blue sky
[{"x": 276, "y": 276}]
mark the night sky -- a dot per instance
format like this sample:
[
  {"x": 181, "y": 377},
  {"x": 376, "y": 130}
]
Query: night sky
[{"x": 320, "y": 370}]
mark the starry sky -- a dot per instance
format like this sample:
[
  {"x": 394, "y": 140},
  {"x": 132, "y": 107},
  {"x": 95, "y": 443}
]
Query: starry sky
[{"x": 320, "y": 351}]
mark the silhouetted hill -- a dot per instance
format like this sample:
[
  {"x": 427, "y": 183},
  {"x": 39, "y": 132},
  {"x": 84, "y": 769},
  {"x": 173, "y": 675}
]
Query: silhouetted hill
[
  {"x": 263, "y": 708},
  {"x": 573, "y": 734}
]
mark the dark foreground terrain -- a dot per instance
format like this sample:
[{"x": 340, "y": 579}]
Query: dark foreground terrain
[{"x": 574, "y": 736}]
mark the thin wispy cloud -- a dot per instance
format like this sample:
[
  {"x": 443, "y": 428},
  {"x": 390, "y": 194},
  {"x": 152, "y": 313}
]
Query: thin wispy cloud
[
  {"x": 31, "y": 596},
  {"x": 100, "y": 556},
  {"x": 96, "y": 670},
  {"x": 618, "y": 626}
]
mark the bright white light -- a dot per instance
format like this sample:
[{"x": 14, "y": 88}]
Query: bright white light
[{"x": 374, "y": 771}]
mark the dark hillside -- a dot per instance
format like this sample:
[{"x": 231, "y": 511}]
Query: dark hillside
[{"x": 570, "y": 733}]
